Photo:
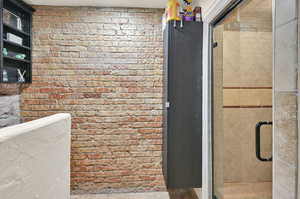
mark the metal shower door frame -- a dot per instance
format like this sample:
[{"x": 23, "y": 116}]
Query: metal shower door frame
[{"x": 216, "y": 10}]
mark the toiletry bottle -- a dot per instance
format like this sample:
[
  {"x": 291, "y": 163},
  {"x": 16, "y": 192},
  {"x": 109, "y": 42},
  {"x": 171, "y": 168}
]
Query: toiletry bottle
[
  {"x": 173, "y": 10},
  {"x": 198, "y": 14},
  {"x": 189, "y": 11},
  {"x": 5, "y": 52},
  {"x": 5, "y": 76}
]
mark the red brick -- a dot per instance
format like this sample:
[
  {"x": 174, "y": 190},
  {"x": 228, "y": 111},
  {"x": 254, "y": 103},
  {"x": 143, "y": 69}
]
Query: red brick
[{"x": 104, "y": 66}]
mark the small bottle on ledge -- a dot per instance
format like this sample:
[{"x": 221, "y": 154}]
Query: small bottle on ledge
[{"x": 198, "y": 14}]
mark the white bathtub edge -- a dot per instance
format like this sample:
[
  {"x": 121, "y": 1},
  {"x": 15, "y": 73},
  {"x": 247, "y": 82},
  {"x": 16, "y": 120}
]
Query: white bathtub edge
[{"x": 13, "y": 131}]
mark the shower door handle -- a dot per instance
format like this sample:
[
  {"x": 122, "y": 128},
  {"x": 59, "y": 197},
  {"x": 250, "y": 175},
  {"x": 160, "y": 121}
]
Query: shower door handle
[{"x": 257, "y": 131}]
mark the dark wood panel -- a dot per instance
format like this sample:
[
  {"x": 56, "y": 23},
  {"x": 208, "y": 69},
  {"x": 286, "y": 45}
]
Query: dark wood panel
[
  {"x": 184, "y": 136},
  {"x": 240, "y": 88},
  {"x": 247, "y": 106}
]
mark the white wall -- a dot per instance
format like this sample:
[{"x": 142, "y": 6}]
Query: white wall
[
  {"x": 35, "y": 159},
  {"x": 104, "y": 3},
  {"x": 206, "y": 5}
]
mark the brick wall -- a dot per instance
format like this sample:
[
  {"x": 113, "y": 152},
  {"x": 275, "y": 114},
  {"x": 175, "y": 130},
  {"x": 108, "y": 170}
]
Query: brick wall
[{"x": 104, "y": 66}]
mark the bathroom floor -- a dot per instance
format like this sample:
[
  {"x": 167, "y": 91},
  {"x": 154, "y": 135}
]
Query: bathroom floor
[
  {"x": 173, "y": 194},
  {"x": 152, "y": 195},
  {"x": 261, "y": 190}
]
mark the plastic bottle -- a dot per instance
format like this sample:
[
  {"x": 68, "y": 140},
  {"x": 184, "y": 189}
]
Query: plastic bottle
[
  {"x": 5, "y": 76},
  {"x": 189, "y": 10},
  {"x": 198, "y": 14},
  {"x": 173, "y": 10}
]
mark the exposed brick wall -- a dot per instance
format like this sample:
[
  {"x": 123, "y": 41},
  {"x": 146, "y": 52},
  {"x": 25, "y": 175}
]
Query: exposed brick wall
[{"x": 104, "y": 66}]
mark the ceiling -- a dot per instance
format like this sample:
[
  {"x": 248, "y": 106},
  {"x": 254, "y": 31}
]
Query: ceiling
[
  {"x": 102, "y": 3},
  {"x": 105, "y": 3}
]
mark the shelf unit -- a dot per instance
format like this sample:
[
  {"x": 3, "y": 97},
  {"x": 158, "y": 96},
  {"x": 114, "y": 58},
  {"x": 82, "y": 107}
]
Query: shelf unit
[
  {"x": 10, "y": 65},
  {"x": 182, "y": 105}
]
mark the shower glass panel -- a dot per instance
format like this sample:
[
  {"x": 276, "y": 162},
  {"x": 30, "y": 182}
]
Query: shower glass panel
[{"x": 242, "y": 102}]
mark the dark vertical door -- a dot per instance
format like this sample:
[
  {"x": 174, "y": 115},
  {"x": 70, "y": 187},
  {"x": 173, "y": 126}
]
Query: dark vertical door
[{"x": 185, "y": 111}]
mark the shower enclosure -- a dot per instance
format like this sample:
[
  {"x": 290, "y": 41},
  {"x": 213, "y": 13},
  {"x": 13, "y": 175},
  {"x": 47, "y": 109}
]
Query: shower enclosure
[{"x": 242, "y": 101}]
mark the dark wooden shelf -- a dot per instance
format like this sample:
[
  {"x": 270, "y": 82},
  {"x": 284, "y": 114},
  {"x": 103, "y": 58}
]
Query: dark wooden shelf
[
  {"x": 12, "y": 82},
  {"x": 15, "y": 30},
  {"x": 22, "y": 5},
  {"x": 10, "y": 63},
  {"x": 16, "y": 59},
  {"x": 15, "y": 44}
]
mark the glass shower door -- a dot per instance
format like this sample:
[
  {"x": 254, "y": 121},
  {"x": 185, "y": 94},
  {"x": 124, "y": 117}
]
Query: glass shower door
[{"x": 242, "y": 102}]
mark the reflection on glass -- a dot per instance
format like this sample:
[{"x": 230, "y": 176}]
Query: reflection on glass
[{"x": 242, "y": 97}]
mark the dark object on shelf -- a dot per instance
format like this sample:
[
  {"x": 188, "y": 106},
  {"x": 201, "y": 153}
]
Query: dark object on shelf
[
  {"x": 5, "y": 52},
  {"x": 16, "y": 42},
  {"x": 182, "y": 141},
  {"x": 15, "y": 61},
  {"x": 5, "y": 75},
  {"x": 21, "y": 76},
  {"x": 198, "y": 14},
  {"x": 13, "y": 75},
  {"x": 14, "y": 38},
  {"x": 188, "y": 11},
  {"x": 20, "y": 56},
  {"x": 9, "y": 53},
  {"x": 12, "y": 19},
  {"x": 181, "y": 13},
  {"x": 10, "y": 74},
  {"x": 9, "y": 43}
]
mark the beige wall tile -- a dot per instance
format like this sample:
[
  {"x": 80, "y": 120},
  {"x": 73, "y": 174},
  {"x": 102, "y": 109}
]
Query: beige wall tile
[
  {"x": 231, "y": 59},
  {"x": 256, "y": 61},
  {"x": 239, "y": 138},
  {"x": 247, "y": 97},
  {"x": 234, "y": 139},
  {"x": 244, "y": 66}
]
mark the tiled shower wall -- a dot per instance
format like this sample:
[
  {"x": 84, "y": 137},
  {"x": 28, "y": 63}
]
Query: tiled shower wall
[
  {"x": 285, "y": 100},
  {"x": 104, "y": 66},
  {"x": 247, "y": 88}
]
